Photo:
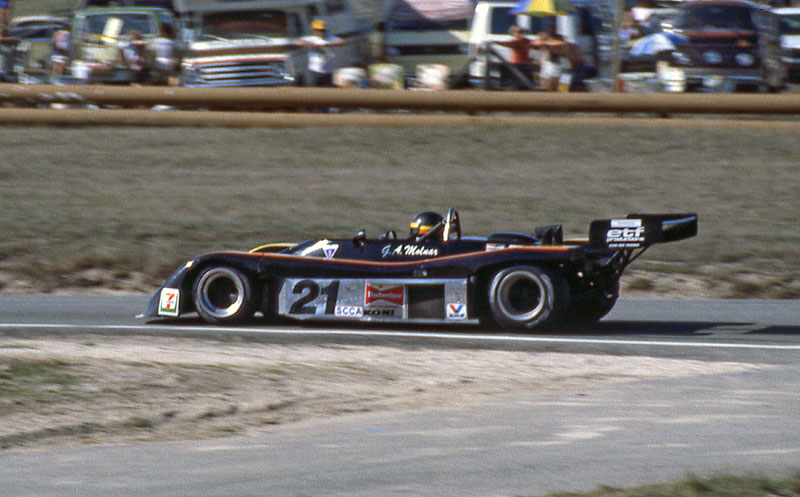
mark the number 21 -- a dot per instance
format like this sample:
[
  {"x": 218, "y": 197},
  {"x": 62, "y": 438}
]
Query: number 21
[{"x": 309, "y": 290}]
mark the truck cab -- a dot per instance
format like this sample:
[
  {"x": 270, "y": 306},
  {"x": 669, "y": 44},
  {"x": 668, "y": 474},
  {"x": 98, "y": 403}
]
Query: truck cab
[{"x": 252, "y": 43}]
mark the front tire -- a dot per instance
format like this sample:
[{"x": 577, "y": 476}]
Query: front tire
[
  {"x": 223, "y": 295},
  {"x": 522, "y": 298}
]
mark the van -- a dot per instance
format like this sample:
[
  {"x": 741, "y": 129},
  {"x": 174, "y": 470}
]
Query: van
[
  {"x": 251, "y": 43},
  {"x": 420, "y": 34},
  {"x": 726, "y": 45}
]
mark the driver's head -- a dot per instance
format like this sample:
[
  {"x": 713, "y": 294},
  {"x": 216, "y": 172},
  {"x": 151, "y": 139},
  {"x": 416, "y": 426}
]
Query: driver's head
[{"x": 424, "y": 222}]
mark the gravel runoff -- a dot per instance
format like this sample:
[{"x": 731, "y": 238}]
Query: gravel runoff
[{"x": 125, "y": 389}]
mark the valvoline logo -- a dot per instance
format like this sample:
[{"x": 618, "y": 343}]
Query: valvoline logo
[{"x": 457, "y": 311}]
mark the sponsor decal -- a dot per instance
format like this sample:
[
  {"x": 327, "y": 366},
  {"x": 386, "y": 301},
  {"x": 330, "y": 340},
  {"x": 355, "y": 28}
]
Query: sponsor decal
[
  {"x": 325, "y": 247},
  {"x": 380, "y": 313},
  {"x": 499, "y": 246},
  {"x": 626, "y": 223},
  {"x": 349, "y": 311},
  {"x": 457, "y": 311},
  {"x": 409, "y": 250},
  {"x": 168, "y": 302},
  {"x": 625, "y": 233},
  {"x": 354, "y": 311},
  {"x": 376, "y": 295},
  {"x": 330, "y": 250}
]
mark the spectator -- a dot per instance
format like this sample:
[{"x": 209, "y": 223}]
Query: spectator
[
  {"x": 641, "y": 12},
  {"x": 320, "y": 56},
  {"x": 629, "y": 29},
  {"x": 583, "y": 55},
  {"x": 520, "y": 57},
  {"x": 166, "y": 57},
  {"x": 553, "y": 52},
  {"x": 61, "y": 51},
  {"x": 5, "y": 9},
  {"x": 133, "y": 53}
]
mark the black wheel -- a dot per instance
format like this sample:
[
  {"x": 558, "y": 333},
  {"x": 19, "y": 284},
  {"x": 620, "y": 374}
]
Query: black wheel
[
  {"x": 527, "y": 297},
  {"x": 223, "y": 295}
]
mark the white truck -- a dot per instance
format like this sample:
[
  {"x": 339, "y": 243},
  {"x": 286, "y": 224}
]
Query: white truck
[
  {"x": 428, "y": 33},
  {"x": 251, "y": 43}
]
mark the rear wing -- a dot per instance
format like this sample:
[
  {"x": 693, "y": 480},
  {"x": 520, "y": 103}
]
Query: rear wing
[{"x": 639, "y": 231}]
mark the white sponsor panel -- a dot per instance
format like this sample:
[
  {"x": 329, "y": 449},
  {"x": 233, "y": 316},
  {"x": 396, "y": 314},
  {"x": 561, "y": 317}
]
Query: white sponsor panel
[
  {"x": 349, "y": 311},
  {"x": 625, "y": 233},
  {"x": 383, "y": 295},
  {"x": 626, "y": 223},
  {"x": 168, "y": 302},
  {"x": 457, "y": 311}
]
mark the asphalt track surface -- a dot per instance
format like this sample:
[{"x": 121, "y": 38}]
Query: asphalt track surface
[{"x": 628, "y": 434}]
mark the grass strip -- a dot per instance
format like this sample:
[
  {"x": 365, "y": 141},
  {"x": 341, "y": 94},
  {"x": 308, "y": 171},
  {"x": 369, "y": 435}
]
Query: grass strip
[{"x": 712, "y": 486}]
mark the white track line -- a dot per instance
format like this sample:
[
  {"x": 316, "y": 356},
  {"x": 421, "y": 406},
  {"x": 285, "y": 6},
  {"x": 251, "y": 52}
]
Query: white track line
[{"x": 407, "y": 334}]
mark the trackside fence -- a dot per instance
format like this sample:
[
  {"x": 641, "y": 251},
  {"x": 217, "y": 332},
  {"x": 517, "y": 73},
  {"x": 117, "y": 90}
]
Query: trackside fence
[{"x": 18, "y": 101}]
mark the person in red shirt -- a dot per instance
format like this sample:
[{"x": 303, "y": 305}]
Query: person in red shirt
[
  {"x": 520, "y": 46},
  {"x": 520, "y": 58}
]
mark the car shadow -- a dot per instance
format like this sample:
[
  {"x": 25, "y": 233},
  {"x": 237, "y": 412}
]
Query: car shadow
[
  {"x": 681, "y": 328},
  {"x": 659, "y": 328},
  {"x": 604, "y": 328}
]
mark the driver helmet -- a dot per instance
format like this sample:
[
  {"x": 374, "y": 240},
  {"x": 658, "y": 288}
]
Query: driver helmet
[{"x": 424, "y": 222}]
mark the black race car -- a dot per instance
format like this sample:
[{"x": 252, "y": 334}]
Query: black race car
[{"x": 516, "y": 280}]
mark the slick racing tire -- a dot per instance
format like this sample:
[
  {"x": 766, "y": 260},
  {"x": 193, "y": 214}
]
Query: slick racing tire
[
  {"x": 523, "y": 298},
  {"x": 223, "y": 295}
]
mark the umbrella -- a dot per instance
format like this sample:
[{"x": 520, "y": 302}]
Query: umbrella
[
  {"x": 655, "y": 43},
  {"x": 543, "y": 8}
]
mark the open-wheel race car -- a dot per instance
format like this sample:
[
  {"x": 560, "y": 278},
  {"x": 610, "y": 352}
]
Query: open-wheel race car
[{"x": 516, "y": 280}]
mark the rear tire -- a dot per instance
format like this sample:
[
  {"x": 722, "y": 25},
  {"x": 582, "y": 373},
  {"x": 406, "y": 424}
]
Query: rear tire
[
  {"x": 223, "y": 295},
  {"x": 523, "y": 298}
]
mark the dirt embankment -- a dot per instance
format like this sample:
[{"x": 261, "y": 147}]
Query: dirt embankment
[{"x": 105, "y": 390}]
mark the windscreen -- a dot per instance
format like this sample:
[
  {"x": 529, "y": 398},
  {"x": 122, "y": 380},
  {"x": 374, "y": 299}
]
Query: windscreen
[
  {"x": 115, "y": 25},
  {"x": 237, "y": 25},
  {"x": 503, "y": 19},
  {"x": 790, "y": 25},
  {"x": 714, "y": 18},
  {"x": 427, "y": 15}
]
